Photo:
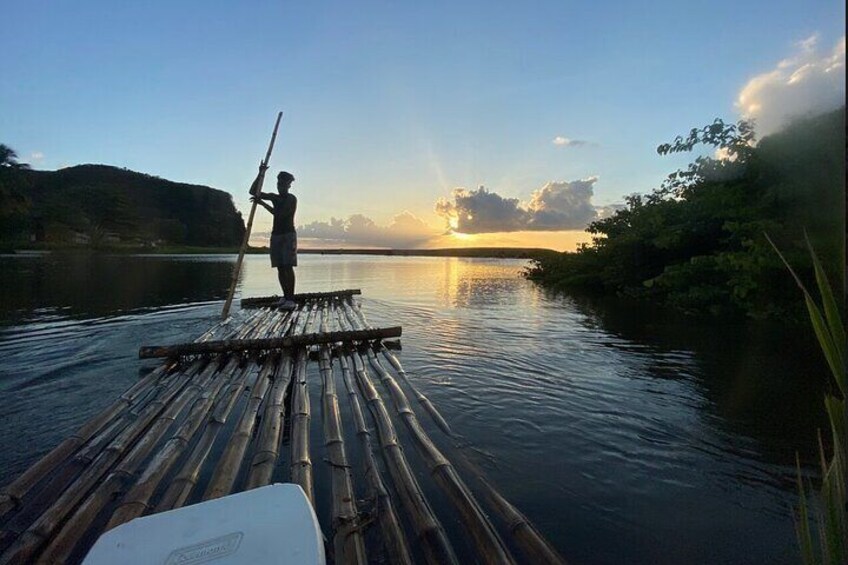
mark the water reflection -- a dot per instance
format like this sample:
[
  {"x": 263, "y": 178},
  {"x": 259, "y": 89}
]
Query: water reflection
[
  {"x": 91, "y": 284},
  {"x": 627, "y": 433},
  {"x": 479, "y": 284},
  {"x": 759, "y": 380}
]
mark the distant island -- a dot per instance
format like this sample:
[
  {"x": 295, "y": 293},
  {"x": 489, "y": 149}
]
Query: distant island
[
  {"x": 481, "y": 252},
  {"x": 105, "y": 207}
]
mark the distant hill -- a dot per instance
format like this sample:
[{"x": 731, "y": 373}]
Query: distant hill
[{"x": 99, "y": 204}]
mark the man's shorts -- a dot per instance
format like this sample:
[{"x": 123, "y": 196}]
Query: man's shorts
[{"x": 284, "y": 249}]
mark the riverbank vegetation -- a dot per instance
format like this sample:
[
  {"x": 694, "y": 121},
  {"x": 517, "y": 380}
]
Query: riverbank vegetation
[
  {"x": 698, "y": 242},
  {"x": 832, "y": 513}
]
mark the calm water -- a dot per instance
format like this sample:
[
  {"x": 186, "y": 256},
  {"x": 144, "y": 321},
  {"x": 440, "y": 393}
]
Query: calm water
[{"x": 627, "y": 434}]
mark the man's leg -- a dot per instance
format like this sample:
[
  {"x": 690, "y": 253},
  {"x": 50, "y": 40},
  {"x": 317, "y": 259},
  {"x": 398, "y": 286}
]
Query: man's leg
[
  {"x": 286, "y": 274},
  {"x": 281, "y": 276}
]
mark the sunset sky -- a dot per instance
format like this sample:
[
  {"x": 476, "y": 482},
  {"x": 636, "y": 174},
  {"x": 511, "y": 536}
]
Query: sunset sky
[{"x": 397, "y": 112}]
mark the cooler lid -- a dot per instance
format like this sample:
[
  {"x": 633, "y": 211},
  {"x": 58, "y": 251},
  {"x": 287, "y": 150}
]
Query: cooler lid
[{"x": 271, "y": 524}]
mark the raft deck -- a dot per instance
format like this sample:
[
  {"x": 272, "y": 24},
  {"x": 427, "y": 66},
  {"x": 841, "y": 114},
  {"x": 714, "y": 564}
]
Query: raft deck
[{"x": 232, "y": 412}]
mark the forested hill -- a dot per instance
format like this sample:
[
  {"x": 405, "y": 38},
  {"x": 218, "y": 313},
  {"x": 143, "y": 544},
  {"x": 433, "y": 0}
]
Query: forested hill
[{"x": 99, "y": 204}]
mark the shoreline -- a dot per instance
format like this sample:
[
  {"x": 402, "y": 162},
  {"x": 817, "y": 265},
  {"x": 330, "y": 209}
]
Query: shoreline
[{"x": 467, "y": 252}]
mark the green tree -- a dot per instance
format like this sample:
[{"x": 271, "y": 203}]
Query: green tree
[
  {"x": 696, "y": 242},
  {"x": 14, "y": 206},
  {"x": 9, "y": 158}
]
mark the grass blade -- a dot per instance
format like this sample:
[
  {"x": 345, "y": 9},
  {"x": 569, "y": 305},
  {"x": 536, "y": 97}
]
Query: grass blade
[
  {"x": 802, "y": 525},
  {"x": 834, "y": 322}
]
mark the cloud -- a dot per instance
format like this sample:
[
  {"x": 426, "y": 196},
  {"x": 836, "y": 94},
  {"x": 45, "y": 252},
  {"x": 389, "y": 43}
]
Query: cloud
[
  {"x": 481, "y": 211},
  {"x": 566, "y": 142},
  {"x": 809, "y": 82},
  {"x": 609, "y": 210},
  {"x": 554, "y": 207},
  {"x": 36, "y": 156},
  {"x": 562, "y": 205},
  {"x": 405, "y": 230}
]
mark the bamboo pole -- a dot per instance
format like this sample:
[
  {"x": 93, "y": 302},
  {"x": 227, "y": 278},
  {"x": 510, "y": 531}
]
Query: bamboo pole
[
  {"x": 268, "y": 444},
  {"x": 254, "y": 321},
  {"x": 422, "y": 400},
  {"x": 310, "y": 319},
  {"x": 12, "y": 495},
  {"x": 137, "y": 500},
  {"x": 347, "y": 537},
  {"x": 348, "y": 545},
  {"x": 134, "y": 407},
  {"x": 486, "y": 539},
  {"x": 230, "y": 462},
  {"x": 299, "y": 326},
  {"x": 535, "y": 547},
  {"x": 255, "y": 187},
  {"x": 301, "y": 464},
  {"x": 528, "y": 538},
  {"x": 67, "y": 476},
  {"x": 30, "y": 541},
  {"x": 393, "y": 536},
  {"x": 419, "y": 396},
  {"x": 186, "y": 478},
  {"x": 260, "y": 301},
  {"x": 429, "y": 531},
  {"x": 233, "y": 345},
  {"x": 62, "y": 543}
]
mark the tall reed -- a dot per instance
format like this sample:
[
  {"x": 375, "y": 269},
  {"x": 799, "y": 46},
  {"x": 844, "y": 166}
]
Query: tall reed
[{"x": 831, "y": 517}]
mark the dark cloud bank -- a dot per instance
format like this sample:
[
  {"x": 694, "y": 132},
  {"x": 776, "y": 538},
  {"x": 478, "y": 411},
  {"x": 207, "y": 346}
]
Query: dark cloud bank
[{"x": 555, "y": 206}]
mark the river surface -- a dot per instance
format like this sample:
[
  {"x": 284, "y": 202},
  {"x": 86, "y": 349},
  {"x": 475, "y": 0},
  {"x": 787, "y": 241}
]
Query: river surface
[{"x": 627, "y": 434}]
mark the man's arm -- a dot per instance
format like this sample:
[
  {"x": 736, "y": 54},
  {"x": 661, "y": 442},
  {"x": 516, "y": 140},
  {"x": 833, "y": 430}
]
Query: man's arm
[
  {"x": 254, "y": 186},
  {"x": 259, "y": 201}
]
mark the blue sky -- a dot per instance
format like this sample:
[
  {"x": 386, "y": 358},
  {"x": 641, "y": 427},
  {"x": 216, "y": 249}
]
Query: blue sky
[{"x": 388, "y": 106}]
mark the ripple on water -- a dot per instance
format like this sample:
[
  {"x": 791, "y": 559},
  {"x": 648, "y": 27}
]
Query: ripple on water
[{"x": 617, "y": 434}]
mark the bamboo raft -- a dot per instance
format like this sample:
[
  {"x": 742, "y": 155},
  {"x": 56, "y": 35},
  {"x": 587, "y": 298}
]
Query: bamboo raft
[{"x": 232, "y": 411}]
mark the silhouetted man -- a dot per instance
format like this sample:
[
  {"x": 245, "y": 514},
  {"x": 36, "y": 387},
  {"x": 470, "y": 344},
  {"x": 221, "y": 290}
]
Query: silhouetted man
[{"x": 283, "y": 236}]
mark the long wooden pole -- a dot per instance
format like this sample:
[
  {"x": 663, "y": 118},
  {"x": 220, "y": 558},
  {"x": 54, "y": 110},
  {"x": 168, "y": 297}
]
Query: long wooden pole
[
  {"x": 483, "y": 533},
  {"x": 348, "y": 544},
  {"x": 534, "y": 545},
  {"x": 12, "y": 495},
  {"x": 431, "y": 536},
  {"x": 259, "y": 302},
  {"x": 255, "y": 188},
  {"x": 257, "y": 344},
  {"x": 394, "y": 539}
]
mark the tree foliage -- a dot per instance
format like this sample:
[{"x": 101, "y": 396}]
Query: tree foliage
[
  {"x": 697, "y": 242},
  {"x": 9, "y": 158},
  {"x": 103, "y": 203}
]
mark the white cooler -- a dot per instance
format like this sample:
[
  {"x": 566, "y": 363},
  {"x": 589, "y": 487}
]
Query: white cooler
[{"x": 272, "y": 524}]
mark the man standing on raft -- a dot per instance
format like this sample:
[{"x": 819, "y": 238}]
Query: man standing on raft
[{"x": 283, "y": 235}]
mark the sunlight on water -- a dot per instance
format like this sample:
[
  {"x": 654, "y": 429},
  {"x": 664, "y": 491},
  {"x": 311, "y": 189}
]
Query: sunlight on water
[{"x": 625, "y": 433}]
